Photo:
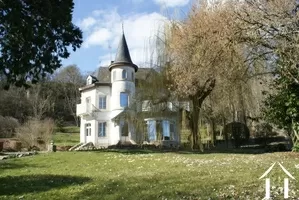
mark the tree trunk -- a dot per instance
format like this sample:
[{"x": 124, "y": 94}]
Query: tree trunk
[
  {"x": 213, "y": 131},
  {"x": 196, "y": 138},
  {"x": 197, "y": 101}
]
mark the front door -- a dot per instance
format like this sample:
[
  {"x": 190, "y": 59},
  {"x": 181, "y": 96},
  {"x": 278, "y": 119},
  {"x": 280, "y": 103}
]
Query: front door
[{"x": 88, "y": 133}]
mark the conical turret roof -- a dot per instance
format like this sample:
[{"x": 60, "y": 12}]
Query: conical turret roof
[{"x": 123, "y": 55}]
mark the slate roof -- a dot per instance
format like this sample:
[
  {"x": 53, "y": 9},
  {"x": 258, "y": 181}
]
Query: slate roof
[{"x": 123, "y": 55}]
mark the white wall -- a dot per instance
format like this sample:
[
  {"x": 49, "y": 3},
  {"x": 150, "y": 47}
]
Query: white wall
[
  {"x": 122, "y": 85},
  {"x": 114, "y": 135}
]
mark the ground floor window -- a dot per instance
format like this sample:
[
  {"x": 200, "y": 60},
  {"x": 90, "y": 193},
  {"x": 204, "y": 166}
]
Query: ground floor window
[
  {"x": 166, "y": 131},
  {"x": 125, "y": 129},
  {"x": 151, "y": 130},
  {"x": 102, "y": 129},
  {"x": 158, "y": 128},
  {"x": 88, "y": 129}
]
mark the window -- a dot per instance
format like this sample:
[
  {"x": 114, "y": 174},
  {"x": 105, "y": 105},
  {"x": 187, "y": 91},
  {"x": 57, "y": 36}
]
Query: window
[
  {"x": 102, "y": 102},
  {"x": 114, "y": 75},
  {"x": 151, "y": 130},
  {"x": 166, "y": 131},
  {"x": 88, "y": 129},
  {"x": 125, "y": 129},
  {"x": 124, "y": 99},
  {"x": 102, "y": 129},
  {"x": 132, "y": 76},
  {"x": 124, "y": 74}
]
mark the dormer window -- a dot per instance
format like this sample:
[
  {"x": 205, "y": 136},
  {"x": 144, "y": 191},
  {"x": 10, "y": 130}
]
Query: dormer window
[
  {"x": 124, "y": 74},
  {"x": 89, "y": 81}
]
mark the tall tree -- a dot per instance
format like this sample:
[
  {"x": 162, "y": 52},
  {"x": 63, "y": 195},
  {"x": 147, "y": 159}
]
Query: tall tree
[
  {"x": 70, "y": 79},
  {"x": 270, "y": 28},
  {"x": 34, "y": 36},
  {"x": 203, "y": 53}
]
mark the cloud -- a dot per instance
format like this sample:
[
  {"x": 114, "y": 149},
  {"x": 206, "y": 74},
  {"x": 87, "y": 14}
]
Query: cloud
[
  {"x": 86, "y": 23},
  {"x": 100, "y": 36},
  {"x": 171, "y": 3},
  {"x": 140, "y": 30}
]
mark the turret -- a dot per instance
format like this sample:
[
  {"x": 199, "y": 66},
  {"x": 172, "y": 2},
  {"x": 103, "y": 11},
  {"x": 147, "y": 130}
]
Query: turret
[{"x": 122, "y": 71}]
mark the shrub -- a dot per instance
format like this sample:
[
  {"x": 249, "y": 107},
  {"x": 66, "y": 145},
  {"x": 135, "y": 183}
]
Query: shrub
[
  {"x": 36, "y": 133},
  {"x": 8, "y": 126},
  {"x": 295, "y": 148}
]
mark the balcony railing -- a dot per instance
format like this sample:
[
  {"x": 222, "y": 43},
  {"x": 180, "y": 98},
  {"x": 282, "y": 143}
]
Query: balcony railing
[{"x": 83, "y": 109}]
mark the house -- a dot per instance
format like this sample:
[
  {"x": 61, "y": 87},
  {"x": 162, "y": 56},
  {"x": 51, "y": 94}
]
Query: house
[{"x": 110, "y": 112}]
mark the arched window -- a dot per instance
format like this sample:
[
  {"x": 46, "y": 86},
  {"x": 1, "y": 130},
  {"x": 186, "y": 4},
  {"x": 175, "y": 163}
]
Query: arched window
[{"x": 124, "y": 74}]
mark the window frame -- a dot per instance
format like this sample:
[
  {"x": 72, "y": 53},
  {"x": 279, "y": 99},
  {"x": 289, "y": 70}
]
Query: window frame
[
  {"x": 124, "y": 74},
  {"x": 127, "y": 99},
  {"x": 87, "y": 129},
  {"x": 102, "y": 129},
  {"x": 102, "y": 106}
]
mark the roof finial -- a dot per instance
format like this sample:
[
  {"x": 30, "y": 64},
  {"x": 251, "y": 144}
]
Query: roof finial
[{"x": 122, "y": 26}]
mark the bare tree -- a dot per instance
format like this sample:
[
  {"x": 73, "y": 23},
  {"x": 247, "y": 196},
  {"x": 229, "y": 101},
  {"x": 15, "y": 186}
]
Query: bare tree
[
  {"x": 71, "y": 79},
  {"x": 40, "y": 101}
]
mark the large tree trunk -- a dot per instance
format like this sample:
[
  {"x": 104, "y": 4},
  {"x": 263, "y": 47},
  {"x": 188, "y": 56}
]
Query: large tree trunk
[
  {"x": 197, "y": 101},
  {"x": 196, "y": 139}
]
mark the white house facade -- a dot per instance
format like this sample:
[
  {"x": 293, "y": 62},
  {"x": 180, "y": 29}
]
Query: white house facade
[{"x": 107, "y": 99}]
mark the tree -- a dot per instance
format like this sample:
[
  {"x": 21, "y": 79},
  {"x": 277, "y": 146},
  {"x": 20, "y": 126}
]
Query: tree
[
  {"x": 282, "y": 108},
  {"x": 203, "y": 53},
  {"x": 70, "y": 79},
  {"x": 270, "y": 29},
  {"x": 34, "y": 36}
]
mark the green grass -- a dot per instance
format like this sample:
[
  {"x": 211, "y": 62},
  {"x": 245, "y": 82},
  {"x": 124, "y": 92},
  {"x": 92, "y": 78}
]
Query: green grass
[
  {"x": 143, "y": 175},
  {"x": 69, "y": 137}
]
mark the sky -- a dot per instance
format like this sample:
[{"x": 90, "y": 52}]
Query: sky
[{"x": 101, "y": 22}]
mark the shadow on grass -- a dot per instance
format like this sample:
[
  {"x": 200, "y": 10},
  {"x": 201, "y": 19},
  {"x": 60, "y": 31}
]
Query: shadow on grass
[
  {"x": 17, "y": 185},
  {"x": 7, "y": 165}
]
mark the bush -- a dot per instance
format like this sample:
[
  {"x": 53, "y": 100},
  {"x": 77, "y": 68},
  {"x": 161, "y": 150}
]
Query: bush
[
  {"x": 295, "y": 148},
  {"x": 8, "y": 126},
  {"x": 36, "y": 133}
]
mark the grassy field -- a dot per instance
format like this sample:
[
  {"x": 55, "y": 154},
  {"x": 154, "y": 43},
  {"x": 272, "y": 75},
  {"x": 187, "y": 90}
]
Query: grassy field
[
  {"x": 143, "y": 175},
  {"x": 69, "y": 137}
]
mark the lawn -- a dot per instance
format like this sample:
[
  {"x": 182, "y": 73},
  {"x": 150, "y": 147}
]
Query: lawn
[
  {"x": 143, "y": 175},
  {"x": 69, "y": 137}
]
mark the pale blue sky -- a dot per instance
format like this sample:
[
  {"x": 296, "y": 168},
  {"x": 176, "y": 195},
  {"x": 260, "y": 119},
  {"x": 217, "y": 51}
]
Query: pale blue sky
[{"x": 100, "y": 21}]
